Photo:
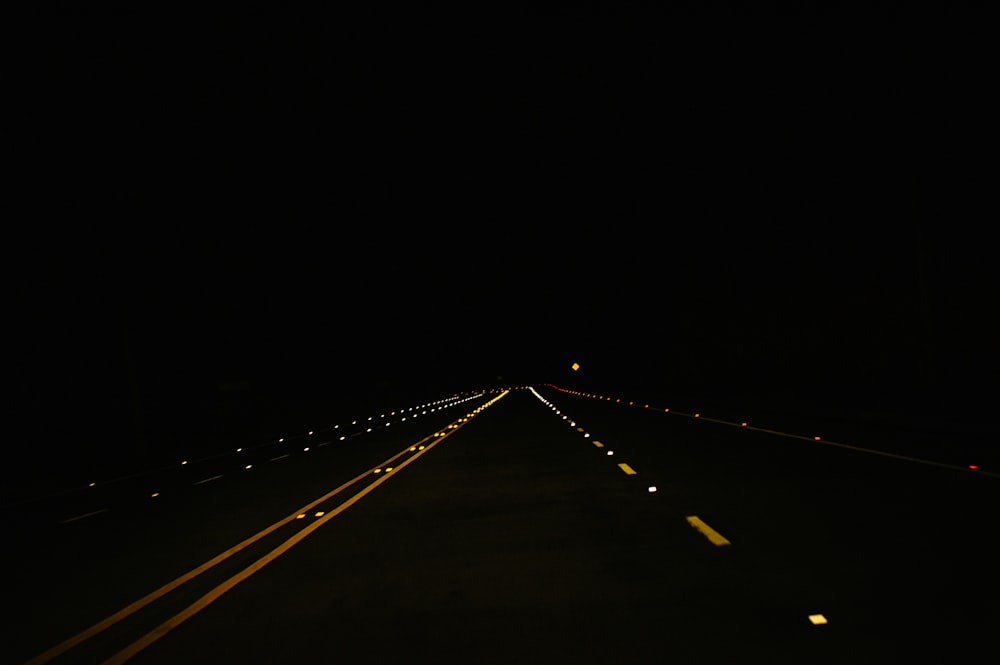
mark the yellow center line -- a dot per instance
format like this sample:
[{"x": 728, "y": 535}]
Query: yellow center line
[
  {"x": 714, "y": 536},
  {"x": 134, "y": 607},
  {"x": 627, "y": 469},
  {"x": 168, "y": 625}
]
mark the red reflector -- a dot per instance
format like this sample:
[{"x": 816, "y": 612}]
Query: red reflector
[{"x": 973, "y": 466}]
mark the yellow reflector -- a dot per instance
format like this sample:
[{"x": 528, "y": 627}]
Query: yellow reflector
[
  {"x": 817, "y": 619},
  {"x": 575, "y": 366},
  {"x": 378, "y": 470},
  {"x": 298, "y": 517},
  {"x": 154, "y": 494},
  {"x": 388, "y": 469},
  {"x": 320, "y": 514}
]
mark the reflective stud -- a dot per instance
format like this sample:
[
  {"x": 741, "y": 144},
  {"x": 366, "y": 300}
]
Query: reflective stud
[
  {"x": 817, "y": 619},
  {"x": 652, "y": 488},
  {"x": 300, "y": 516},
  {"x": 320, "y": 513},
  {"x": 816, "y": 438},
  {"x": 971, "y": 466}
]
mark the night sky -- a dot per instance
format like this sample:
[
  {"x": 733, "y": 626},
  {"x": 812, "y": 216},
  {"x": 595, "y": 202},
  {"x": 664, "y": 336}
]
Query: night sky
[{"x": 226, "y": 211}]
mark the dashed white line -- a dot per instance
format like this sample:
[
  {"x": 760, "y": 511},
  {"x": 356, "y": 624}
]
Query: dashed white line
[
  {"x": 85, "y": 515},
  {"x": 208, "y": 480}
]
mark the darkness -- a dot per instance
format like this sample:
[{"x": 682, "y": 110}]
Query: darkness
[{"x": 235, "y": 221}]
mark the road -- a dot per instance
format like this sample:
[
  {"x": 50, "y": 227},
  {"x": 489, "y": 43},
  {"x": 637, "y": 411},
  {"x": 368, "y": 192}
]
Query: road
[{"x": 514, "y": 525}]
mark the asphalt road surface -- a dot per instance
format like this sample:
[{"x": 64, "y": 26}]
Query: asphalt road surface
[{"x": 526, "y": 525}]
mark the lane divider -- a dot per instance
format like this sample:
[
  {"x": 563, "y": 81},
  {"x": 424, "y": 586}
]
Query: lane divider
[
  {"x": 969, "y": 468},
  {"x": 422, "y": 446},
  {"x": 713, "y": 536},
  {"x": 597, "y": 444},
  {"x": 399, "y": 415},
  {"x": 696, "y": 522},
  {"x": 149, "y": 493}
]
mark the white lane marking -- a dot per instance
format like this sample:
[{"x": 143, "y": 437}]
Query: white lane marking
[
  {"x": 208, "y": 480},
  {"x": 85, "y": 515}
]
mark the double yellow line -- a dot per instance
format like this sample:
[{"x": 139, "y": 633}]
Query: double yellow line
[{"x": 131, "y": 650}]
